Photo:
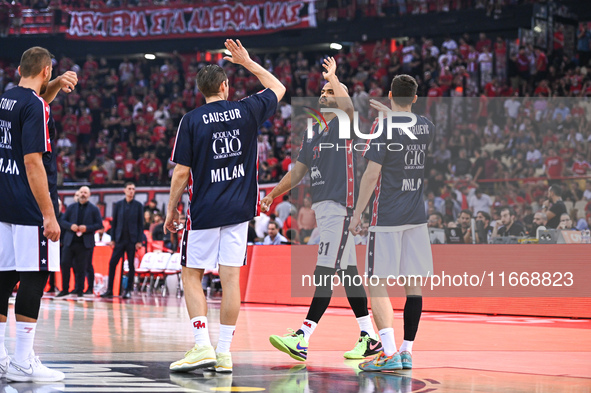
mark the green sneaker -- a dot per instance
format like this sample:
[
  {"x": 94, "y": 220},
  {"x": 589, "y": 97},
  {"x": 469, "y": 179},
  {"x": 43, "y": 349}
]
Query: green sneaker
[
  {"x": 224, "y": 363},
  {"x": 200, "y": 356},
  {"x": 295, "y": 380},
  {"x": 366, "y": 346},
  {"x": 294, "y": 344}
]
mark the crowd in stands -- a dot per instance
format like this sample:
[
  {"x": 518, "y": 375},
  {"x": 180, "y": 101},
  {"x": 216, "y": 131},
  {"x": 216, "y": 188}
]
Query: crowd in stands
[
  {"x": 327, "y": 8},
  {"x": 527, "y": 125}
]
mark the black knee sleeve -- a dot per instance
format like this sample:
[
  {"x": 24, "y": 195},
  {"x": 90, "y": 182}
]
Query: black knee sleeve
[
  {"x": 413, "y": 309},
  {"x": 322, "y": 281},
  {"x": 323, "y": 293},
  {"x": 8, "y": 281},
  {"x": 30, "y": 291},
  {"x": 355, "y": 291}
]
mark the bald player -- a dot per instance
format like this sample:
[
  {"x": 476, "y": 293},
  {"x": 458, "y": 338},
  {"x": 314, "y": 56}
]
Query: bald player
[{"x": 333, "y": 191}]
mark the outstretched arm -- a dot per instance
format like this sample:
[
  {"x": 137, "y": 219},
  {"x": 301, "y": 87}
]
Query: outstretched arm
[
  {"x": 66, "y": 82},
  {"x": 289, "y": 181},
  {"x": 241, "y": 56},
  {"x": 344, "y": 102}
]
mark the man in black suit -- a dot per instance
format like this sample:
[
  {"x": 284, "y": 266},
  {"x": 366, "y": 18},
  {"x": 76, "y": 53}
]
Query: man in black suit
[
  {"x": 127, "y": 229},
  {"x": 80, "y": 221}
]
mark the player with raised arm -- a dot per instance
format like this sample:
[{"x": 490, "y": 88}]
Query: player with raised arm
[
  {"x": 29, "y": 231},
  {"x": 333, "y": 195},
  {"x": 216, "y": 156},
  {"x": 398, "y": 243}
]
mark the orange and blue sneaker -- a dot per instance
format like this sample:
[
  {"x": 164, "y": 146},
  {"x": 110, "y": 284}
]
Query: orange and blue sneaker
[
  {"x": 382, "y": 363},
  {"x": 294, "y": 344},
  {"x": 406, "y": 360}
]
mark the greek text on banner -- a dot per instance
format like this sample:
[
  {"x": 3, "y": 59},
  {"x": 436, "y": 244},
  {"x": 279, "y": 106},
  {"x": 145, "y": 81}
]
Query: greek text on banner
[{"x": 251, "y": 17}]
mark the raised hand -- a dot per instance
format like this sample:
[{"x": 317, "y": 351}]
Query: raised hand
[
  {"x": 379, "y": 106},
  {"x": 239, "y": 54},
  {"x": 330, "y": 64}
]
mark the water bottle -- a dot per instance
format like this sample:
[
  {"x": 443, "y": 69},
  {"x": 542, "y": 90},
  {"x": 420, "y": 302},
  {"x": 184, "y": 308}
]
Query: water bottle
[
  {"x": 489, "y": 237},
  {"x": 586, "y": 236}
]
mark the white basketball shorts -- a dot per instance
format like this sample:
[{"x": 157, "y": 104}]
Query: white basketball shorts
[
  {"x": 208, "y": 248},
  {"x": 24, "y": 248},
  {"x": 337, "y": 245},
  {"x": 399, "y": 253}
]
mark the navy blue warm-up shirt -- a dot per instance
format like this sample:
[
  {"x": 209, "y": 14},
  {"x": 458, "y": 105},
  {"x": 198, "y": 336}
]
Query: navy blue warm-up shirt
[
  {"x": 331, "y": 162},
  {"x": 24, "y": 129},
  {"x": 218, "y": 141},
  {"x": 398, "y": 196}
]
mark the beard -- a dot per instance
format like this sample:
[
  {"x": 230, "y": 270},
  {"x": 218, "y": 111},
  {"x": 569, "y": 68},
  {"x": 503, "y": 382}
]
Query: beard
[
  {"x": 323, "y": 102},
  {"x": 43, "y": 88}
]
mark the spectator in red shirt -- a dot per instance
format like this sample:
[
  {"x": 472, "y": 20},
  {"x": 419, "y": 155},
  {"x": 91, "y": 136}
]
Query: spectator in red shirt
[
  {"x": 57, "y": 112},
  {"x": 129, "y": 168},
  {"x": 553, "y": 165},
  {"x": 142, "y": 165},
  {"x": 84, "y": 129},
  {"x": 541, "y": 65},
  {"x": 99, "y": 175},
  {"x": 558, "y": 42},
  {"x": 90, "y": 66},
  {"x": 580, "y": 165},
  {"x": 154, "y": 168},
  {"x": 483, "y": 42}
]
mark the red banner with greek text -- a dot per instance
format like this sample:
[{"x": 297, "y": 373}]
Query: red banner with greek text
[{"x": 149, "y": 23}]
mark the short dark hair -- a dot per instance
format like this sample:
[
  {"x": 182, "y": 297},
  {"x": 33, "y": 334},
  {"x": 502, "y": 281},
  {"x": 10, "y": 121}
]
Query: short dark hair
[
  {"x": 127, "y": 183},
  {"x": 467, "y": 211},
  {"x": 404, "y": 89},
  {"x": 291, "y": 234},
  {"x": 557, "y": 190},
  {"x": 273, "y": 223},
  {"x": 34, "y": 60},
  {"x": 210, "y": 78},
  {"x": 484, "y": 214},
  {"x": 509, "y": 209},
  {"x": 438, "y": 215},
  {"x": 285, "y": 197}
]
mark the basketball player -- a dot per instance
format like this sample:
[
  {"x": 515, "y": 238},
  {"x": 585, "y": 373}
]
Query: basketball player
[
  {"x": 216, "y": 155},
  {"x": 398, "y": 239},
  {"x": 29, "y": 231},
  {"x": 333, "y": 193}
]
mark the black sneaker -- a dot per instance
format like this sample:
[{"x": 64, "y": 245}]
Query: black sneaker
[
  {"x": 107, "y": 295},
  {"x": 62, "y": 294}
]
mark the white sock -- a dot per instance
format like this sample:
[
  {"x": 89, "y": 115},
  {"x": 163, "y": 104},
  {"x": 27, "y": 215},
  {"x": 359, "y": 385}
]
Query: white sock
[
  {"x": 406, "y": 346},
  {"x": 2, "y": 333},
  {"x": 388, "y": 343},
  {"x": 308, "y": 328},
  {"x": 366, "y": 326},
  {"x": 225, "y": 340},
  {"x": 25, "y": 336},
  {"x": 200, "y": 330}
]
